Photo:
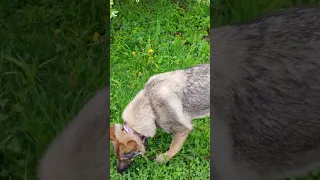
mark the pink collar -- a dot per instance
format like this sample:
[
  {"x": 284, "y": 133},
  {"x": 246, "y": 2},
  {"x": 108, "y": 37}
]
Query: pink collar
[{"x": 129, "y": 130}]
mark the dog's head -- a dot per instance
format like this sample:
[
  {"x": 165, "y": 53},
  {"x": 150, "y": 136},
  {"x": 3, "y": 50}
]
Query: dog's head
[{"x": 126, "y": 147}]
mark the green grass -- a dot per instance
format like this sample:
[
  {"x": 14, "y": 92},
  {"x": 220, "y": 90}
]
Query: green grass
[
  {"x": 226, "y": 12},
  {"x": 177, "y": 38},
  {"x": 50, "y": 65}
]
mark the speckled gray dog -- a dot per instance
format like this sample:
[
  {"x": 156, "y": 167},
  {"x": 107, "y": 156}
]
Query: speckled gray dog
[
  {"x": 265, "y": 94},
  {"x": 169, "y": 101}
]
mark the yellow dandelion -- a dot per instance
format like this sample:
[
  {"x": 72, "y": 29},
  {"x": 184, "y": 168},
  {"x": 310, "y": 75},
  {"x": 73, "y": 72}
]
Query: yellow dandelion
[
  {"x": 95, "y": 37},
  {"x": 134, "y": 53},
  {"x": 149, "y": 40},
  {"x": 140, "y": 73},
  {"x": 57, "y": 31},
  {"x": 150, "y": 51}
]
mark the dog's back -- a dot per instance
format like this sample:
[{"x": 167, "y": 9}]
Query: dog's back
[
  {"x": 192, "y": 86},
  {"x": 171, "y": 100},
  {"x": 266, "y": 96}
]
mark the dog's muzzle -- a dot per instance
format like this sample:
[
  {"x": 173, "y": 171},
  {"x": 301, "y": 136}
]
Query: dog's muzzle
[{"x": 123, "y": 165}]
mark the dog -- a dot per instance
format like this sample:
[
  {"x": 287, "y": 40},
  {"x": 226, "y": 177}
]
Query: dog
[
  {"x": 265, "y": 97},
  {"x": 169, "y": 101},
  {"x": 79, "y": 152}
]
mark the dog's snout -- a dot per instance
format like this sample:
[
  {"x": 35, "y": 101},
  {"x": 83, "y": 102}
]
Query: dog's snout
[
  {"x": 123, "y": 165},
  {"x": 120, "y": 170}
]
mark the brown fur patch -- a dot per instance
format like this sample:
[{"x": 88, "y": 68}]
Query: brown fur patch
[
  {"x": 124, "y": 142},
  {"x": 112, "y": 133}
]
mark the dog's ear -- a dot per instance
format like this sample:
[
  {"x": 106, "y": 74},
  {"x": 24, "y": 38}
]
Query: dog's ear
[
  {"x": 132, "y": 145},
  {"x": 135, "y": 146},
  {"x": 112, "y": 133}
]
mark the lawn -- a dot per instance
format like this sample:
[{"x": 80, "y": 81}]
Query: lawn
[
  {"x": 148, "y": 38},
  {"x": 226, "y": 12},
  {"x": 52, "y": 60}
]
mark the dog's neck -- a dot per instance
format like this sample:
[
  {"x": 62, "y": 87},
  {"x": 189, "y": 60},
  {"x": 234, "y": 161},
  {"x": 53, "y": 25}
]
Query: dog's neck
[{"x": 126, "y": 128}]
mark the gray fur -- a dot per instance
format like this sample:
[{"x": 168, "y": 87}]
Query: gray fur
[
  {"x": 192, "y": 90},
  {"x": 265, "y": 96},
  {"x": 194, "y": 93}
]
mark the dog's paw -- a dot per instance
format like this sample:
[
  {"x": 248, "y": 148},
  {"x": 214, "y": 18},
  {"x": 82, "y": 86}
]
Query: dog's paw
[{"x": 162, "y": 158}]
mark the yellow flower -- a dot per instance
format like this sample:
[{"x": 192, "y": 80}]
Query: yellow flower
[
  {"x": 57, "y": 31},
  {"x": 95, "y": 37},
  {"x": 150, "y": 51},
  {"x": 134, "y": 53},
  {"x": 140, "y": 73},
  {"x": 149, "y": 40}
]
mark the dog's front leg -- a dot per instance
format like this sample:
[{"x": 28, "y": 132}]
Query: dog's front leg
[{"x": 176, "y": 144}]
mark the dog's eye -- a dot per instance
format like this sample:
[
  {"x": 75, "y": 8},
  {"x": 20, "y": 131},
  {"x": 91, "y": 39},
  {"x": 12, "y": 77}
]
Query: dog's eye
[{"x": 129, "y": 155}]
